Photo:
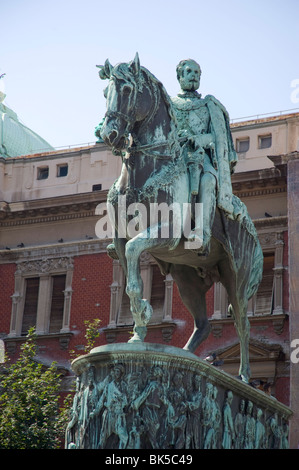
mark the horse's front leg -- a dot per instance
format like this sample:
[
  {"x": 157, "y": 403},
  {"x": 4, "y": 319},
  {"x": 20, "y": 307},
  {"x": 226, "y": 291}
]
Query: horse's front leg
[{"x": 140, "y": 307}]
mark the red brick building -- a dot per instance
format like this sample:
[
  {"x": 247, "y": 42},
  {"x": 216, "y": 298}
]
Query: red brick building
[{"x": 55, "y": 272}]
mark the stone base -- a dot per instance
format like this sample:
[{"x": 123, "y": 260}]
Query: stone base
[{"x": 151, "y": 396}]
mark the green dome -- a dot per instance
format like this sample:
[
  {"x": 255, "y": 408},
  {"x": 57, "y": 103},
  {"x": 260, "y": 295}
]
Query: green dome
[{"x": 15, "y": 138}]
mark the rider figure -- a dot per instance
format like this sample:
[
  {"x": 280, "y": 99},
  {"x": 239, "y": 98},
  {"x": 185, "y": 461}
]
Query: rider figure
[{"x": 210, "y": 152}]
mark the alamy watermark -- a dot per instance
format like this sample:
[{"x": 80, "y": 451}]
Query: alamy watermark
[
  {"x": 154, "y": 221},
  {"x": 295, "y": 92},
  {"x": 295, "y": 353}
]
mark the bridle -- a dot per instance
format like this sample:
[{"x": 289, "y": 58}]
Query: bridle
[{"x": 131, "y": 120}]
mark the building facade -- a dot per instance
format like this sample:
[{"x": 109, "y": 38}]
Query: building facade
[{"x": 55, "y": 272}]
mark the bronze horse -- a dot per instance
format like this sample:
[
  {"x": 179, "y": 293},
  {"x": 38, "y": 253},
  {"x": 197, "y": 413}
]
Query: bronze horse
[{"x": 139, "y": 113}]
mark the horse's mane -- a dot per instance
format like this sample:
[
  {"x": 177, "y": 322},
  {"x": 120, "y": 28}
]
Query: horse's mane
[
  {"x": 173, "y": 135},
  {"x": 164, "y": 94},
  {"x": 123, "y": 72}
]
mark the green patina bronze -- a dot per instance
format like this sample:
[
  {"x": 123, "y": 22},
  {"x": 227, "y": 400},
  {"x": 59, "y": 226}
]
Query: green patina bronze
[
  {"x": 151, "y": 396},
  {"x": 210, "y": 153},
  {"x": 177, "y": 151},
  {"x": 15, "y": 138},
  {"x": 139, "y": 395}
]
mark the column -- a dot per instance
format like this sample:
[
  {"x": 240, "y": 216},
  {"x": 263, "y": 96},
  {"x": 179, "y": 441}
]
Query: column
[
  {"x": 293, "y": 218},
  {"x": 44, "y": 304},
  {"x": 278, "y": 273}
]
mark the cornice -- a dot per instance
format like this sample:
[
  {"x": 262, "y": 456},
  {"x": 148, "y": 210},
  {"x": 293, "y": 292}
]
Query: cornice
[
  {"x": 166, "y": 329},
  {"x": 263, "y": 122},
  {"x": 57, "y": 250},
  {"x": 260, "y": 182},
  {"x": 54, "y": 154},
  {"x": 63, "y": 338},
  {"x": 278, "y": 322},
  {"x": 251, "y": 191},
  {"x": 51, "y": 209},
  {"x": 271, "y": 223}
]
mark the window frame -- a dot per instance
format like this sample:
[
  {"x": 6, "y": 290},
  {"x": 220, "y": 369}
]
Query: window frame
[
  {"x": 61, "y": 166},
  {"x": 45, "y": 270},
  {"x": 26, "y": 283},
  {"x": 220, "y": 294},
  {"x": 260, "y": 139},
  {"x": 118, "y": 288},
  {"x": 40, "y": 173},
  {"x": 240, "y": 140}
]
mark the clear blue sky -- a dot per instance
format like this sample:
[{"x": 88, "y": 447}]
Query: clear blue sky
[{"x": 248, "y": 51}]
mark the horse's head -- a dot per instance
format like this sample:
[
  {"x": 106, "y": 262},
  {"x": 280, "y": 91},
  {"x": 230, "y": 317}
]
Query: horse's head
[{"x": 122, "y": 96}]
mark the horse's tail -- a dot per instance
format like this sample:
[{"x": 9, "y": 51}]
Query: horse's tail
[{"x": 256, "y": 272}]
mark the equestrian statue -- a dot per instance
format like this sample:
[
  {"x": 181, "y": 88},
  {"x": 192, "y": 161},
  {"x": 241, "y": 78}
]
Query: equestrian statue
[{"x": 177, "y": 153}]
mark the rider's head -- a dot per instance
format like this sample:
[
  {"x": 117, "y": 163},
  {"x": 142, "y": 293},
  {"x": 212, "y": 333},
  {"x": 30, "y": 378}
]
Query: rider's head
[{"x": 188, "y": 74}]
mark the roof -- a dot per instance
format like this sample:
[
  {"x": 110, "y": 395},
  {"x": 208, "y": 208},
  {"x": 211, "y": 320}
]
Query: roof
[{"x": 15, "y": 138}]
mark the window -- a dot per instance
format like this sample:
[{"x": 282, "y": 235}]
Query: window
[
  {"x": 57, "y": 303},
  {"x": 242, "y": 145},
  {"x": 97, "y": 187},
  {"x": 157, "y": 294},
  {"x": 43, "y": 173},
  {"x": 30, "y": 306},
  {"x": 265, "y": 141},
  {"x": 42, "y": 297},
  {"x": 153, "y": 290},
  {"x": 267, "y": 300},
  {"x": 32, "y": 299},
  {"x": 125, "y": 315},
  {"x": 156, "y": 288},
  {"x": 62, "y": 170},
  {"x": 264, "y": 296}
]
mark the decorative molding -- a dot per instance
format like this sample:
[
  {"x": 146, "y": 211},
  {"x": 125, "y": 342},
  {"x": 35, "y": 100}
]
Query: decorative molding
[
  {"x": 63, "y": 338},
  {"x": 258, "y": 351},
  {"x": 259, "y": 182},
  {"x": 44, "y": 268},
  {"x": 166, "y": 328},
  {"x": 278, "y": 322},
  {"x": 18, "y": 220},
  {"x": 77, "y": 248},
  {"x": 241, "y": 192},
  {"x": 51, "y": 209},
  {"x": 271, "y": 223},
  {"x": 45, "y": 265},
  {"x": 140, "y": 406},
  {"x": 263, "y": 358}
]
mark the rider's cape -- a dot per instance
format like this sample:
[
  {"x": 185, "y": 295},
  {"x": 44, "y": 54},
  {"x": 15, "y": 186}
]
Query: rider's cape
[{"x": 226, "y": 156}]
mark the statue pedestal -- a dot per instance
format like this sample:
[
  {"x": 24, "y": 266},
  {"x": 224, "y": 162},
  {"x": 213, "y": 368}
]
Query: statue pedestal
[{"x": 151, "y": 396}]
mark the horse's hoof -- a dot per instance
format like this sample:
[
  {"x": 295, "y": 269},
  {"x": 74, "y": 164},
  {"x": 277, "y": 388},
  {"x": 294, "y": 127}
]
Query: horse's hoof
[
  {"x": 139, "y": 334},
  {"x": 244, "y": 378},
  {"x": 135, "y": 339}
]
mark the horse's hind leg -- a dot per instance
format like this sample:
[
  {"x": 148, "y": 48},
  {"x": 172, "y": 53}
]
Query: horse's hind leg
[
  {"x": 236, "y": 286},
  {"x": 239, "y": 313},
  {"x": 193, "y": 289}
]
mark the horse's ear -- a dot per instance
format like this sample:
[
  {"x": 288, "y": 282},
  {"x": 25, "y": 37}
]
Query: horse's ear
[
  {"x": 108, "y": 68},
  {"x": 135, "y": 65},
  {"x": 102, "y": 74},
  {"x": 105, "y": 70}
]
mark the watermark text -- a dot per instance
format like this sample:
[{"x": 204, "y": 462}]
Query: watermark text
[
  {"x": 295, "y": 92},
  {"x": 155, "y": 221}
]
